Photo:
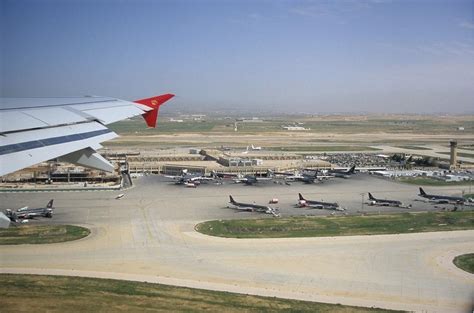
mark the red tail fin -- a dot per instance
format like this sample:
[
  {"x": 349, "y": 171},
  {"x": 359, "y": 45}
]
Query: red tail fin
[{"x": 154, "y": 103}]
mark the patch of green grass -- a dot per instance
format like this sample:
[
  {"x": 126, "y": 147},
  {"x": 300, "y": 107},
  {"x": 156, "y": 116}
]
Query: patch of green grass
[
  {"x": 324, "y": 125},
  {"x": 322, "y": 148},
  {"x": 425, "y": 181},
  {"x": 414, "y": 147},
  {"x": 66, "y": 294},
  {"x": 339, "y": 226},
  {"x": 33, "y": 234},
  {"x": 465, "y": 262}
]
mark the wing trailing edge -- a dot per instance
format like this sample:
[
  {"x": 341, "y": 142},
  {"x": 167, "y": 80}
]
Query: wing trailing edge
[{"x": 88, "y": 157}]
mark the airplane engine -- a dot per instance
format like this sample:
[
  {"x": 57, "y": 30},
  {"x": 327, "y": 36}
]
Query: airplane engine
[
  {"x": 302, "y": 203},
  {"x": 372, "y": 202}
]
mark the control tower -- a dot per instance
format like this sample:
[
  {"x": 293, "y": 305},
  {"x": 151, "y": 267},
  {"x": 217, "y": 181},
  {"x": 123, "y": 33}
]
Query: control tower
[{"x": 453, "y": 162}]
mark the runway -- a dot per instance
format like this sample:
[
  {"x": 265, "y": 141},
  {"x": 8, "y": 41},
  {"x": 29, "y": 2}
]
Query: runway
[{"x": 149, "y": 236}]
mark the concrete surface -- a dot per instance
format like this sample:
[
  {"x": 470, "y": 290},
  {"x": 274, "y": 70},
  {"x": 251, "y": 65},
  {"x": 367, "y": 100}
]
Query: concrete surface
[{"x": 149, "y": 236}]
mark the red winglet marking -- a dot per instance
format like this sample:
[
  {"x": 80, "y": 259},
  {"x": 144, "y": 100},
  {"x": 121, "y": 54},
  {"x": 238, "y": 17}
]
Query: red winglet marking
[{"x": 154, "y": 103}]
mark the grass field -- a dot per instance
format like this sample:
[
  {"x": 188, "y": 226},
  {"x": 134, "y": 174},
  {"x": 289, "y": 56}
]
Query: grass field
[
  {"x": 28, "y": 234},
  {"x": 465, "y": 262},
  {"x": 73, "y": 294},
  {"x": 424, "y": 181},
  {"x": 335, "y": 124},
  {"x": 339, "y": 226},
  {"x": 321, "y": 148}
]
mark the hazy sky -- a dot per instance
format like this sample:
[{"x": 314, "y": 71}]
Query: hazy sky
[{"x": 293, "y": 56}]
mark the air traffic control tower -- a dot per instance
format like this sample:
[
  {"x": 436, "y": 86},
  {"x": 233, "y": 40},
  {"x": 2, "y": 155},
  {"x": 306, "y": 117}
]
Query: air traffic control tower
[{"x": 454, "y": 154}]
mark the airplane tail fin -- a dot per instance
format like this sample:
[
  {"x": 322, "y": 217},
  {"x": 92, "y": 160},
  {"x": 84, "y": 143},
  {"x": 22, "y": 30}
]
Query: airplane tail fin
[
  {"x": 422, "y": 192},
  {"x": 371, "y": 197},
  {"x": 301, "y": 196},
  {"x": 231, "y": 199},
  {"x": 154, "y": 103},
  {"x": 50, "y": 204},
  {"x": 352, "y": 170}
]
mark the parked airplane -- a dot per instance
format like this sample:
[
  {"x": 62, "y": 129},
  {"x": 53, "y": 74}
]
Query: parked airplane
[
  {"x": 342, "y": 173},
  {"x": 253, "y": 179},
  {"x": 34, "y": 130},
  {"x": 252, "y": 207},
  {"x": 256, "y": 148},
  {"x": 302, "y": 202},
  {"x": 440, "y": 199},
  {"x": 225, "y": 175},
  {"x": 191, "y": 179},
  {"x": 383, "y": 202},
  {"x": 26, "y": 213},
  {"x": 304, "y": 177}
]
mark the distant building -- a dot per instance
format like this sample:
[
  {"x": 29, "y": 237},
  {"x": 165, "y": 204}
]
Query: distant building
[
  {"x": 252, "y": 120},
  {"x": 257, "y": 162},
  {"x": 176, "y": 121},
  {"x": 295, "y": 128}
]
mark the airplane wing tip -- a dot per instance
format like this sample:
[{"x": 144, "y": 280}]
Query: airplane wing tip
[{"x": 154, "y": 103}]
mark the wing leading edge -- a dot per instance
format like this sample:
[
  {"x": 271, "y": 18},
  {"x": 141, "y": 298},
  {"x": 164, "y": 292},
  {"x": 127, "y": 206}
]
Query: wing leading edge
[{"x": 33, "y": 130}]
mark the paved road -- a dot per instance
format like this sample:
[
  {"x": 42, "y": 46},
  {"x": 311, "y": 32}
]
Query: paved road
[{"x": 149, "y": 236}]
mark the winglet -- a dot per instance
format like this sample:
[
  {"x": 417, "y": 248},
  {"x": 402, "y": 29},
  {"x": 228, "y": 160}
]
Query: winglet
[
  {"x": 301, "y": 197},
  {"x": 422, "y": 192},
  {"x": 154, "y": 103}
]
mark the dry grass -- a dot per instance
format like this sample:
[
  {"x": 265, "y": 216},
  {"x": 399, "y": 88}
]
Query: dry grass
[{"x": 72, "y": 294}]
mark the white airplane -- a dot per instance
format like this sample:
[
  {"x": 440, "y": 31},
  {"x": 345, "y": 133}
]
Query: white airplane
[
  {"x": 33, "y": 130},
  {"x": 194, "y": 179},
  {"x": 256, "y": 148}
]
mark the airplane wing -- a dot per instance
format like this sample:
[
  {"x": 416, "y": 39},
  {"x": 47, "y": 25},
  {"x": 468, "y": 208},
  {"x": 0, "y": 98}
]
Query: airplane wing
[
  {"x": 439, "y": 201},
  {"x": 173, "y": 177},
  {"x": 33, "y": 130},
  {"x": 238, "y": 208},
  {"x": 315, "y": 206}
]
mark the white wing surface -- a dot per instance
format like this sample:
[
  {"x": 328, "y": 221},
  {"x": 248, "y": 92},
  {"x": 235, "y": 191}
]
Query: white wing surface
[{"x": 33, "y": 130}]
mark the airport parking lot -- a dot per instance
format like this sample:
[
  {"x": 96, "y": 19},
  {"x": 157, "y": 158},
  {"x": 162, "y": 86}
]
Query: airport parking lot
[{"x": 149, "y": 235}]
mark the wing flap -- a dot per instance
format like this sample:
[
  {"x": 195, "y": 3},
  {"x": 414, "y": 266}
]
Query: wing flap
[
  {"x": 20, "y": 150},
  {"x": 88, "y": 157},
  {"x": 113, "y": 114},
  {"x": 15, "y": 120}
]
